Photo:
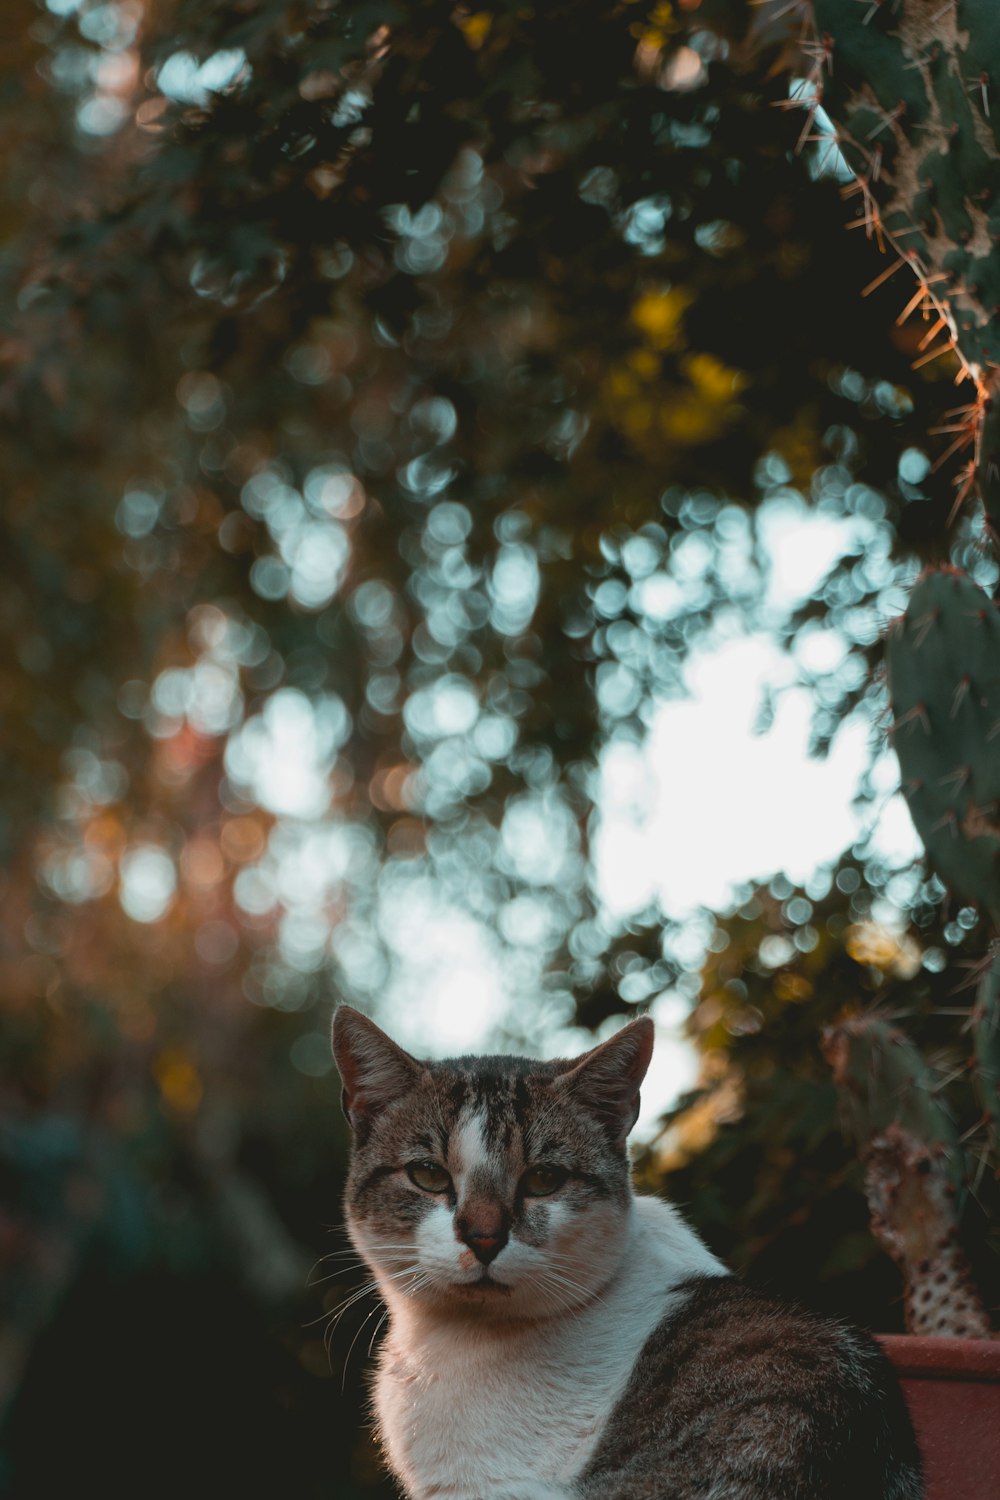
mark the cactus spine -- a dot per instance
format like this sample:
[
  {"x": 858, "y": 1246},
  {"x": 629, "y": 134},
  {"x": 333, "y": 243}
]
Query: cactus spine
[
  {"x": 914, "y": 96},
  {"x": 910, "y": 88},
  {"x": 914, "y": 89}
]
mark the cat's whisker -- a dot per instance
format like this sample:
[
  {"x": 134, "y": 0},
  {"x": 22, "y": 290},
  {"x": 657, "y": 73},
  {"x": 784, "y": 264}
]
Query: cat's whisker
[
  {"x": 380, "y": 1324},
  {"x": 557, "y": 1268},
  {"x": 352, "y": 1264},
  {"x": 560, "y": 1303},
  {"x": 423, "y": 1280},
  {"x": 332, "y": 1275},
  {"x": 342, "y": 1307},
  {"x": 334, "y": 1315},
  {"x": 355, "y": 1262},
  {"x": 356, "y": 1255},
  {"x": 354, "y": 1340},
  {"x": 551, "y": 1306},
  {"x": 365, "y": 1290},
  {"x": 331, "y": 1255}
]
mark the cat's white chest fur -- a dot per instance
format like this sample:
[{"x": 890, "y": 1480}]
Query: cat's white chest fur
[{"x": 468, "y": 1411}]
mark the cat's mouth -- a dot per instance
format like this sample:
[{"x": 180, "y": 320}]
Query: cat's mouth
[{"x": 485, "y": 1283}]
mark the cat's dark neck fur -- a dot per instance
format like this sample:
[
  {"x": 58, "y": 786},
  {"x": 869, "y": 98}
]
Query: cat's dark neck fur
[{"x": 551, "y": 1336}]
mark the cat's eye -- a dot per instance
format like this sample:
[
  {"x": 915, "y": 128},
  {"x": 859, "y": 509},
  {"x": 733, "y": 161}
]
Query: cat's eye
[
  {"x": 429, "y": 1176},
  {"x": 539, "y": 1181}
]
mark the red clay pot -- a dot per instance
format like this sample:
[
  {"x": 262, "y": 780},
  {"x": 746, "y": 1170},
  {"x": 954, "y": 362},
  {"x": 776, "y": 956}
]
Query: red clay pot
[{"x": 952, "y": 1387}]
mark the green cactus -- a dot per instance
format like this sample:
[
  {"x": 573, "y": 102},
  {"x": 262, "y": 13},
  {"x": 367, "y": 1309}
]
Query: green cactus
[
  {"x": 915, "y": 1171},
  {"x": 987, "y": 464},
  {"x": 914, "y": 1217},
  {"x": 913, "y": 87},
  {"x": 943, "y": 670},
  {"x": 943, "y": 663},
  {"x": 885, "y": 1083},
  {"x": 986, "y": 1053}
]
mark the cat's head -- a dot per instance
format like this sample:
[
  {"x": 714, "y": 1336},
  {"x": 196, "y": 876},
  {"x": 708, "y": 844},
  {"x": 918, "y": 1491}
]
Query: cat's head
[{"x": 493, "y": 1187}]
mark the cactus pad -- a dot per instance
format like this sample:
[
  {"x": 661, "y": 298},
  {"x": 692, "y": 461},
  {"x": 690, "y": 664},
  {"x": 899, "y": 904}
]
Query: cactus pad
[
  {"x": 943, "y": 661},
  {"x": 988, "y": 457},
  {"x": 884, "y": 1083},
  {"x": 986, "y": 1052},
  {"x": 913, "y": 1217}
]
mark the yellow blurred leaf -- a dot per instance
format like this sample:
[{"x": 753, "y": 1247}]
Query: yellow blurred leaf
[
  {"x": 791, "y": 986},
  {"x": 645, "y": 363},
  {"x": 475, "y": 28},
  {"x": 178, "y": 1080},
  {"x": 716, "y": 381},
  {"x": 871, "y": 943},
  {"x": 658, "y": 315}
]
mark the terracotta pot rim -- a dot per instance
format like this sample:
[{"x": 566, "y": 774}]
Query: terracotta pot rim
[{"x": 944, "y": 1358}]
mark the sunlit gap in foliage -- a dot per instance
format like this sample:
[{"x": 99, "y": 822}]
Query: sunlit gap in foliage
[
  {"x": 818, "y": 131},
  {"x": 722, "y": 792}
]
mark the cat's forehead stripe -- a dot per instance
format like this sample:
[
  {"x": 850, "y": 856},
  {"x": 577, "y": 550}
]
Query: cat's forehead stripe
[
  {"x": 468, "y": 1143},
  {"x": 502, "y": 1092}
]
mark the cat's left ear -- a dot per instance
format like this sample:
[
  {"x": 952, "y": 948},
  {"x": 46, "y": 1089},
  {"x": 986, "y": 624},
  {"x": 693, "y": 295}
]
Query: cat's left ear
[{"x": 607, "y": 1079}]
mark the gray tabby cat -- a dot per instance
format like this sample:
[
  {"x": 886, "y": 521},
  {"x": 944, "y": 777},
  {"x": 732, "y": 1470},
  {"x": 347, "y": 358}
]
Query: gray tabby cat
[{"x": 553, "y": 1337}]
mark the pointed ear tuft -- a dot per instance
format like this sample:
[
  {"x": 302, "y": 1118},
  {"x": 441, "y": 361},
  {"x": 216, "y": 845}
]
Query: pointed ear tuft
[
  {"x": 607, "y": 1079},
  {"x": 374, "y": 1070}
]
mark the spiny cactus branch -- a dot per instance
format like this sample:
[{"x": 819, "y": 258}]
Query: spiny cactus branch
[
  {"x": 985, "y": 1026},
  {"x": 912, "y": 1202},
  {"x": 943, "y": 669},
  {"x": 885, "y": 1084},
  {"x": 909, "y": 88}
]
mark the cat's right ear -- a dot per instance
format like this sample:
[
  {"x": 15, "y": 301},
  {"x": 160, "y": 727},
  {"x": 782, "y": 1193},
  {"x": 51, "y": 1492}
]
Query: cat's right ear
[
  {"x": 373, "y": 1069},
  {"x": 606, "y": 1080}
]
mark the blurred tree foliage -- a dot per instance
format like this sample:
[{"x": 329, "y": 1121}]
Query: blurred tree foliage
[{"x": 393, "y": 393}]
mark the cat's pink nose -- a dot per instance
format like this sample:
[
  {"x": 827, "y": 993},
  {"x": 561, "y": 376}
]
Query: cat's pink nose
[
  {"x": 485, "y": 1240},
  {"x": 486, "y": 1247}
]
